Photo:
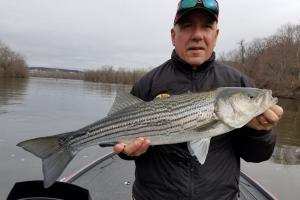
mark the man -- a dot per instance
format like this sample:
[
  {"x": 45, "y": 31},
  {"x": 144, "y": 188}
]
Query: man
[{"x": 170, "y": 172}]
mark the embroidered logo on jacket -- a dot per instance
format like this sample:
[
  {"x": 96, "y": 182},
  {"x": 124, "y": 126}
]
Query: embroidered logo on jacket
[{"x": 163, "y": 96}]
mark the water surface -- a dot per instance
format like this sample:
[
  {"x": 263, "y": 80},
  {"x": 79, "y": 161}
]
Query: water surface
[
  {"x": 281, "y": 174},
  {"x": 39, "y": 107}
]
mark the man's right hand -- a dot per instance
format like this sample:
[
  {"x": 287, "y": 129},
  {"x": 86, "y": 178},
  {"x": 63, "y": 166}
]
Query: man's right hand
[{"x": 136, "y": 148}]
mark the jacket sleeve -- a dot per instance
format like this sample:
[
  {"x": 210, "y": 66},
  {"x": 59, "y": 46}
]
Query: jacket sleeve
[
  {"x": 250, "y": 144},
  {"x": 253, "y": 145}
]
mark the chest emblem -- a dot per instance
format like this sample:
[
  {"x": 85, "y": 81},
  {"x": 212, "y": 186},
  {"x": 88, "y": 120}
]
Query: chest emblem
[{"x": 163, "y": 96}]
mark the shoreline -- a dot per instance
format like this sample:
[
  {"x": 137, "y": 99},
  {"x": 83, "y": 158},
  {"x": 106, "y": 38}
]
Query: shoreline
[{"x": 287, "y": 94}]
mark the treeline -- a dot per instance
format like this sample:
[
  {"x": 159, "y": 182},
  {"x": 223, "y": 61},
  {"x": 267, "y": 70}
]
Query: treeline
[
  {"x": 108, "y": 74},
  {"x": 273, "y": 62},
  {"x": 105, "y": 74},
  {"x": 12, "y": 64},
  {"x": 58, "y": 74}
]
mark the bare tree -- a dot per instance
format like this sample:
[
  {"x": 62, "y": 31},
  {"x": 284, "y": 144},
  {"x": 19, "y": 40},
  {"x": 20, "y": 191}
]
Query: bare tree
[
  {"x": 242, "y": 51},
  {"x": 273, "y": 62},
  {"x": 12, "y": 64}
]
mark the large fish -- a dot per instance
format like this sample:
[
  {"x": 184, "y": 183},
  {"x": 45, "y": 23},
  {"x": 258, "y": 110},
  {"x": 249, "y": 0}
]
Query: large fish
[{"x": 191, "y": 117}]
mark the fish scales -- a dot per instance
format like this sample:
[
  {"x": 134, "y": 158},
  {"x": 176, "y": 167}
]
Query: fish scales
[
  {"x": 182, "y": 111},
  {"x": 117, "y": 119},
  {"x": 179, "y": 118},
  {"x": 124, "y": 122},
  {"x": 179, "y": 113}
]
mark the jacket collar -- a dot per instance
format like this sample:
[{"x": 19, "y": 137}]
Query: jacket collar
[{"x": 187, "y": 68}]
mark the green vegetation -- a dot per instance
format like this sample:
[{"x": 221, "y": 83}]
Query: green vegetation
[
  {"x": 273, "y": 62},
  {"x": 12, "y": 64}
]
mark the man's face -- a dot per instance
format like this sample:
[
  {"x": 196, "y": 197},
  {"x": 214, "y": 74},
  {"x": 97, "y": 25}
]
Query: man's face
[{"x": 194, "y": 37}]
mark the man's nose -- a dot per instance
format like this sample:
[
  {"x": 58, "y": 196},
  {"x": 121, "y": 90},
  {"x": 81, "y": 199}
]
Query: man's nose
[{"x": 197, "y": 34}]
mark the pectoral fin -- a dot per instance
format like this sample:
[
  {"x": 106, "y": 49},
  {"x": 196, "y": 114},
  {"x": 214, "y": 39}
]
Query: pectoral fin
[{"x": 199, "y": 148}]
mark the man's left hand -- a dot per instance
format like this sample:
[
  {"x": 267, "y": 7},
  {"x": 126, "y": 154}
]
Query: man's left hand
[{"x": 267, "y": 120}]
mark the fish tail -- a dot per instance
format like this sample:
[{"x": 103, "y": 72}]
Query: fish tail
[{"x": 54, "y": 154}]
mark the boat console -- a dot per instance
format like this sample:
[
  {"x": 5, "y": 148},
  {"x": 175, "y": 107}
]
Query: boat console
[{"x": 34, "y": 190}]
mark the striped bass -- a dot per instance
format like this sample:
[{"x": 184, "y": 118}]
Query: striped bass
[{"x": 191, "y": 117}]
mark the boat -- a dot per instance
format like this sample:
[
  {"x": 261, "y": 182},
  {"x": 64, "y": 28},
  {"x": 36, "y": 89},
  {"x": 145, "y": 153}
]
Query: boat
[{"x": 109, "y": 178}]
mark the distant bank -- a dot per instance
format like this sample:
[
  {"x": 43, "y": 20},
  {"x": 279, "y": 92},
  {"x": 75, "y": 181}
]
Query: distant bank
[
  {"x": 123, "y": 76},
  {"x": 106, "y": 74}
]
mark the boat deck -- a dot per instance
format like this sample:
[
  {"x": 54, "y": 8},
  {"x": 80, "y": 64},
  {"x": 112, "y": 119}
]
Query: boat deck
[{"x": 111, "y": 178}]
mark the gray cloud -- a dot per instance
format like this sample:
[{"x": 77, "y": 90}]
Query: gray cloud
[{"x": 86, "y": 34}]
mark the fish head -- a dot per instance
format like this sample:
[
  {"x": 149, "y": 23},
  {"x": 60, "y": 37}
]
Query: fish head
[{"x": 237, "y": 106}]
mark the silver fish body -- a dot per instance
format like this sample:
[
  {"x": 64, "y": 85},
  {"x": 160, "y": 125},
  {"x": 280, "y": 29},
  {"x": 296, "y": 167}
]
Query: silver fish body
[
  {"x": 179, "y": 118},
  {"x": 159, "y": 120}
]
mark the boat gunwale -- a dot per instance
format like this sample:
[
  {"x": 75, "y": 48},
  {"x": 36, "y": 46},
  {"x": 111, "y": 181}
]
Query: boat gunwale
[
  {"x": 258, "y": 186},
  {"x": 77, "y": 174}
]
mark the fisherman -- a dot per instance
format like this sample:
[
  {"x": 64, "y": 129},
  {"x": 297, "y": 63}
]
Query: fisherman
[{"x": 170, "y": 172}]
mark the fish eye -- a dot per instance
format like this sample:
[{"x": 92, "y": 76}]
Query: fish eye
[{"x": 251, "y": 97}]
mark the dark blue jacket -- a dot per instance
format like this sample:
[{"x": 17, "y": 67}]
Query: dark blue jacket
[{"x": 169, "y": 172}]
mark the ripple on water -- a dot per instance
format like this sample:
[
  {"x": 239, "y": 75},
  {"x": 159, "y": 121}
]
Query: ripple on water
[{"x": 2, "y": 112}]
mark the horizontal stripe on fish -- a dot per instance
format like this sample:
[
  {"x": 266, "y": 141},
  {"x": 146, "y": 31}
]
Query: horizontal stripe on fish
[
  {"x": 181, "y": 114},
  {"x": 179, "y": 118}
]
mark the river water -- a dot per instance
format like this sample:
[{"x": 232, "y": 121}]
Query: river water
[{"x": 39, "y": 107}]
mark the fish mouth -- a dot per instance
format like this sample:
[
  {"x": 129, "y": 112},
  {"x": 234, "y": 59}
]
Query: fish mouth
[
  {"x": 273, "y": 100},
  {"x": 267, "y": 100}
]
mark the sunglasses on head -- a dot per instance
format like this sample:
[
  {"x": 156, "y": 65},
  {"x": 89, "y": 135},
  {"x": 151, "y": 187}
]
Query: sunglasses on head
[{"x": 209, "y": 4}]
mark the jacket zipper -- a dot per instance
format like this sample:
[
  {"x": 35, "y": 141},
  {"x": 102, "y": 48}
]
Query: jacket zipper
[
  {"x": 191, "y": 183},
  {"x": 194, "y": 81}
]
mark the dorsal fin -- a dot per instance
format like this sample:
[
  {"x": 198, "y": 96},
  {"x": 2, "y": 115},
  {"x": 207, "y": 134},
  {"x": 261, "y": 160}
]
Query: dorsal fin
[{"x": 123, "y": 100}]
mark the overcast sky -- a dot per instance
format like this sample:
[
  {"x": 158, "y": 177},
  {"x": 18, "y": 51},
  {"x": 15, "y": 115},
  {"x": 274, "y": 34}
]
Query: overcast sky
[{"x": 87, "y": 34}]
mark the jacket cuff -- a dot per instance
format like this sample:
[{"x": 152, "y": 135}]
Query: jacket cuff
[
  {"x": 255, "y": 133},
  {"x": 126, "y": 157}
]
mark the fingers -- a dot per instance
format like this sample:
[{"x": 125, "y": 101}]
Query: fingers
[
  {"x": 278, "y": 110},
  {"x": 268, "y": 117},
  {"x": 260, "y": 124},
  {"x": 118, "y": 148},
  {"x": 136, "y": 148},
  {"x": 272, "y": 115},
  {"x": 268, "y": 120}
]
